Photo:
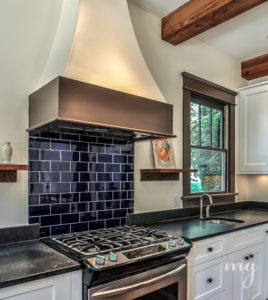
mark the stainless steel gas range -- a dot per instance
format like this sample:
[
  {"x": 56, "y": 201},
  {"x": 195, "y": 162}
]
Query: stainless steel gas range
[{"x": 129, "y": 263}]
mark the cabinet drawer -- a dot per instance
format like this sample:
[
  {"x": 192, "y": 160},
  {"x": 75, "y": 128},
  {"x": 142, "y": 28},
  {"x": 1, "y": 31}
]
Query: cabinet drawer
[
  {"x": 209, "y": 280},
  {"x": 221, "y": 296},
  {"x": 206, "y": 250},
  {"x": 245, "y": 238},
  {"x": 51, "y": 288}
]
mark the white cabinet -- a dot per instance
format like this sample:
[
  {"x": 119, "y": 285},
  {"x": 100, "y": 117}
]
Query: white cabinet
[
  {"x": 253, "y": 129},
  {"x": 61, "y": 287},
  {"x": 246, "y": 268},
  {"x": 209, "y": 280},
  {"x": 229, "y": 267},
  {"x": 206, "y": 250},
  {"x": 266, "y": 263},
  {"x": 245, "y": 238},
  {"x": 221, "y": 296}
]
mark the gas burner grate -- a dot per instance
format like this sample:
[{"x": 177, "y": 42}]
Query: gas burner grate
[{"x": 111, "y": 239}]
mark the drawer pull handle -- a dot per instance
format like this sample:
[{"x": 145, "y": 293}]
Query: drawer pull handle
[
  {"x": 209, "y": 280},
  {"x": 251, "y": 255},
  {"x": 246, "y": 257},
  {"x": 210, "y": 249}
]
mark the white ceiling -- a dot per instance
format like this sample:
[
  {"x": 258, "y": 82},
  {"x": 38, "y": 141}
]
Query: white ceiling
[
  {"x": 243, "y": 37},
  {"x": 159, "y": 8}
]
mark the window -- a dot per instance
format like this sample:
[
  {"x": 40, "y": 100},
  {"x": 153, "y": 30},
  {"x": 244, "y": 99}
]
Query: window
[
  {"x": 208, "y": 155},
  {"x": 208, "y": 130}
]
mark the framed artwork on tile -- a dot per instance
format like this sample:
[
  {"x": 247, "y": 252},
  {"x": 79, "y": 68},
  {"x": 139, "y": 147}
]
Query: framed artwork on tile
[{"x": 164, "y": 154}]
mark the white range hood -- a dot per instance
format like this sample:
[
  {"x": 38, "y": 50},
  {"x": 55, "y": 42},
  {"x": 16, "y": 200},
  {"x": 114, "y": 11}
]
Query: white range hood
[{"x": 95, "y": 43}]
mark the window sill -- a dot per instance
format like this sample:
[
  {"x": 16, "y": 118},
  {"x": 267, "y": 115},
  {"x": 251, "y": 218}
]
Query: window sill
[{"x": 222, "y": 195}]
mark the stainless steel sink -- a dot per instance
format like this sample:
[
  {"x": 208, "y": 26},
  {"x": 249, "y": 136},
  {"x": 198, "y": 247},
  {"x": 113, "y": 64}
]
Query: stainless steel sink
[{"x": 225, "y": 221}]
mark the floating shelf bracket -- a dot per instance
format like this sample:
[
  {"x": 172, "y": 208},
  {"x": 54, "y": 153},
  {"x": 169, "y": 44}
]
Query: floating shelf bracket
[
  {"x": 163, "y": 174},
  {"x": 8, "y": 172}
]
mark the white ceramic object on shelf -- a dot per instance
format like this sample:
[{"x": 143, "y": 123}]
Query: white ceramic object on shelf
[{"x": 5, "y": 153}]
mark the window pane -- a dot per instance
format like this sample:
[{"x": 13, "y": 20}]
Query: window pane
[
  {"x": 205, "y": 126},
  {"x": 216, "y": 128},
  {"x": 195, "y": 132},
  {"x": 211, "y": 171}
]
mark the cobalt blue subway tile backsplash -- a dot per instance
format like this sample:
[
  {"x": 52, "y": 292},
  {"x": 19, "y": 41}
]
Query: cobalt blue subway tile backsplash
[{"x": 79, "y": 182}]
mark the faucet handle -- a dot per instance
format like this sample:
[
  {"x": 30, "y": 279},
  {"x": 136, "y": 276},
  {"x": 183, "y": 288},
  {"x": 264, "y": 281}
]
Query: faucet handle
[{"x": 207, "y": 211}]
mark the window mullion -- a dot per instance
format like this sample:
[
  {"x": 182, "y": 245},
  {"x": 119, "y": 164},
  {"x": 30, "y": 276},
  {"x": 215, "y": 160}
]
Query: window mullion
[
  {"x": 199, "y": 122},
  {"x": 210, "y": 127},
  {"x": 208, "y": 148}
]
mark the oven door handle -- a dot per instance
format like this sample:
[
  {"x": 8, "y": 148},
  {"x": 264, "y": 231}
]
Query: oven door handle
[{"x": 125, "y": 289}]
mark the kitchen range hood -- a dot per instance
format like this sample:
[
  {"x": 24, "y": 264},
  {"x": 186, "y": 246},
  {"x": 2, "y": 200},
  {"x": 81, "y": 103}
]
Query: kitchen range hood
[{"x": 65, "y": 104}]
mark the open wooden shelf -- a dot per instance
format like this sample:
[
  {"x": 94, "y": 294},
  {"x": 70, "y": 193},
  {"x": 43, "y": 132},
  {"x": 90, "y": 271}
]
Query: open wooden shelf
[
  {"x": 8, "y": 172},
  {"x": 163, "y": 174}
]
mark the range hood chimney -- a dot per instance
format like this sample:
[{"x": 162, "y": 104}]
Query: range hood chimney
[
  {"x": 103, "y": 71},
  {"x": 69, "y": 104}
]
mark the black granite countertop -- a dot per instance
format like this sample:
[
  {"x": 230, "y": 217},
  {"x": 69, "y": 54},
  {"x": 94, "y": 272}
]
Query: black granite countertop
[
  {"x": 23, "y": 260},
  {"x": 196, "y": 229},
  {"x": 186, "y": 222}
]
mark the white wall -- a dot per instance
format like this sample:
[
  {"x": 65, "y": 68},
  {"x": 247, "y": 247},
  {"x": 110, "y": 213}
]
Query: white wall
[
  {"x": 166, "y": 63},
  {"x": 258, "y": 80},
  {"x": 257, "y": 188},
  {"x": 27, "y": 30}
]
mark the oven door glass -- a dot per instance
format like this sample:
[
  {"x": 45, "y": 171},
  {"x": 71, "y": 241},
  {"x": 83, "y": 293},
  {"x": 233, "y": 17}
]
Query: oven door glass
[
  {"x": 168, "y": 282},
  {"x": 170, "y": 292}
]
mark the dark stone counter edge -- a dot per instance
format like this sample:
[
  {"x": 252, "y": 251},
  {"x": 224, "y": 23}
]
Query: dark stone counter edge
[
  {"x": 207, "y": 236},
  {"x": 19, "y": 233},
  {"x": 33, "y": 277}
]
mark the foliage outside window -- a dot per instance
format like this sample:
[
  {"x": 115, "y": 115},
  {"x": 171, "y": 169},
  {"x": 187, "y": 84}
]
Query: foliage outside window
[{"x": 208, "y": 155}]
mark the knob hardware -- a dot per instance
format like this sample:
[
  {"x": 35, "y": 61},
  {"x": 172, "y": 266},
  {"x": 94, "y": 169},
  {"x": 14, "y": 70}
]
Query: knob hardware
[
  {"x": 210, "y": 249},
  {"x": 180, "y": 241},
  {"x": 209, "y": 280},
  {"x": 251, "y": 255},
  {"x": 246, "y": 257},
  {"x": 172, "y": 243},
  {"x": 112, "y": 257},
  {"x": 100, "y": 260}
]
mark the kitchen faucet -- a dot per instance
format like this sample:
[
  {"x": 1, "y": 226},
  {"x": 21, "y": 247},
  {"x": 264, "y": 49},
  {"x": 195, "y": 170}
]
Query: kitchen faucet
[{"x": 207, "y": 208}]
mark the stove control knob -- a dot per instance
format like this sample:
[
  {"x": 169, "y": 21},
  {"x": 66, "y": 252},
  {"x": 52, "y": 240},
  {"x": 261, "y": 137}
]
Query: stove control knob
[
  {"x": 112, "y": 257},
  {"x": 172, "y": 243},
  {"x": 100, "y": 260},
  {"x": 180, "y": 241}
]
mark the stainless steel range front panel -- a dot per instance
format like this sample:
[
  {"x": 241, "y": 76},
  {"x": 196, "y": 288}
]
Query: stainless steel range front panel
[{"x": 168, "y": 282}]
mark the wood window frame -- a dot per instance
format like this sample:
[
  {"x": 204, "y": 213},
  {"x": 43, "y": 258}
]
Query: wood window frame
[{"x": 193, "y": 85}]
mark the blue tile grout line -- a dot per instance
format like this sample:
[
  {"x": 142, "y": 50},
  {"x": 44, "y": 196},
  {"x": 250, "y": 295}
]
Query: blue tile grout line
[{"x": 79, "y": 182}]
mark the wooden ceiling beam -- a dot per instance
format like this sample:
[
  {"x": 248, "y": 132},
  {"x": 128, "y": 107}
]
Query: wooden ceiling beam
[
  {"x": 255, "y": 68},
  {"x": 197, "y": 16}
]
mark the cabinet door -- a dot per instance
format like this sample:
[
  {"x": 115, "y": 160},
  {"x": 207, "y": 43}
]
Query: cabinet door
[
  {"x": 246, "y": 270},
  {"x": 221, "y": 296},
  {"x": 253, "y": 127},
  {"x": 209, "y": 281},
  {"x": 266, "y": 263},
  {"x": 52, "y": 288},
  {"x": 257, "y": 290}
]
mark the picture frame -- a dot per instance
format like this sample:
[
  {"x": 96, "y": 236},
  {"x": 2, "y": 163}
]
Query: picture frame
[{"x": 163, "y": 154}]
